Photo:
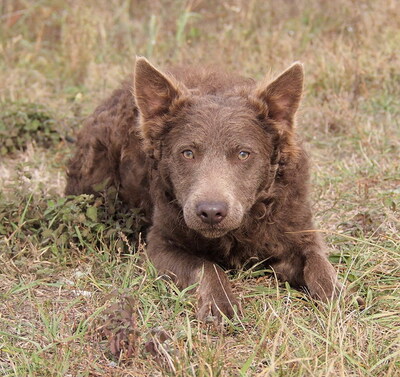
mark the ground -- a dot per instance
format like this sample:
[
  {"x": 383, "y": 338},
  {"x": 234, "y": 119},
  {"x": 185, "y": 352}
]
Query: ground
[{"x": 76, "y": 286}]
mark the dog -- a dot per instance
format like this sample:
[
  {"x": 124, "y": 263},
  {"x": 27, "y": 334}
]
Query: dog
[{"x": 215, "y": 163}]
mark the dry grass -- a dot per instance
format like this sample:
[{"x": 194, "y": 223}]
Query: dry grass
[{"x": 54, "y": 294}]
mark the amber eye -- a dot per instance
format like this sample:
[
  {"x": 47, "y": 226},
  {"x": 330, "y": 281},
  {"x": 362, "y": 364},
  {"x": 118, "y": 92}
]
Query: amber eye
[
  {"x": 243, "y": 155},
  {"x": 188, "y": 154}
]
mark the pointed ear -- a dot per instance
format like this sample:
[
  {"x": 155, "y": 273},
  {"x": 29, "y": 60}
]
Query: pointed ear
[
  {"x": 154, "y": 92},
  {"x": 283, "y": 95}
]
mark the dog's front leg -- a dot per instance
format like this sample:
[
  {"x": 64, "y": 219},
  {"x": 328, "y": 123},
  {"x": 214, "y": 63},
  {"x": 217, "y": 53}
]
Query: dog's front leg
[
  {"x": 214, "y": 291},
  {"x": 306, "y": 265},
  {"x": 319, "y": 275}
]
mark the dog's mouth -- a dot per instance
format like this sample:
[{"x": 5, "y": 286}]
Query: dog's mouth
[{"x": 212, "y": 232}]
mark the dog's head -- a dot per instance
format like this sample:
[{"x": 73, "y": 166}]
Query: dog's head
[{"x": 217, "y": 152}]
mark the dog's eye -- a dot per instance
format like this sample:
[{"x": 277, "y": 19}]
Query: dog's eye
[
  {"x": 243, "y": 155},
  {"x": 188, "y": 154}
]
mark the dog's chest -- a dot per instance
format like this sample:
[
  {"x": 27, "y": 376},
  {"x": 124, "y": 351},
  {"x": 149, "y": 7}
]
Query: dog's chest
[{"x": 237, "y": 253}]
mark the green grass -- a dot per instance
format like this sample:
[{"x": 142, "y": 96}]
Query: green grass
[{"x": 73, "y": 271}]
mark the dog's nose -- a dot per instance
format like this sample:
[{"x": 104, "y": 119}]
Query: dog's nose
[{"x": 212, "y": 212}]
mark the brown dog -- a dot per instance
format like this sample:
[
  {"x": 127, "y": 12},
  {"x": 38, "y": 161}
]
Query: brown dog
[{"x": 213, "y": 160}]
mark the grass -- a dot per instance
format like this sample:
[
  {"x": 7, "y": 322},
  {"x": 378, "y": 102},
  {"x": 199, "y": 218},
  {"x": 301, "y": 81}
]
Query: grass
[{"x": 73, "y": 273}]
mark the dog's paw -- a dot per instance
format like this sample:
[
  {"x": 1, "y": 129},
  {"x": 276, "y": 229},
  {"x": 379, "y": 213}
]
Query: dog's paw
[
  {"x": 215, "y": 308},
  {"x": 325, "y": 290},
  {"x": 322, "y": 282}
]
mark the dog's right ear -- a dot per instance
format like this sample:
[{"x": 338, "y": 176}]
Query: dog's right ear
[{"x": 154, "y": 92}]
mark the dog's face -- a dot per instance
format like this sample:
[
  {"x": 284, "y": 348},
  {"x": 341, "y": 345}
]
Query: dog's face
[
  {"x": 217, "y": 153},
  {"x": 217, "y": 157}
]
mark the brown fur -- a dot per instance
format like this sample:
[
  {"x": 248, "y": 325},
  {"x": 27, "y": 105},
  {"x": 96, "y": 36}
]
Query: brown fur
[{"x": 137, "y": 140}]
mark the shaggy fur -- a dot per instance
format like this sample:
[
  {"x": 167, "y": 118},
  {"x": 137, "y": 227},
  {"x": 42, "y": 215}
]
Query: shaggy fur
[{"x": 214, "y": 162}]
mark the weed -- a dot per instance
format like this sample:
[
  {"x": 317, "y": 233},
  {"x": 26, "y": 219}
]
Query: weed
[{"x": 24, "y": 123}]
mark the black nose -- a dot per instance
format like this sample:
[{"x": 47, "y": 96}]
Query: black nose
[{"x": 212, "y": 212}]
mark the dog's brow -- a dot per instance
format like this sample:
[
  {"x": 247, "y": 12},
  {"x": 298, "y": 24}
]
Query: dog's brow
[{"x": 188, "y": 145}]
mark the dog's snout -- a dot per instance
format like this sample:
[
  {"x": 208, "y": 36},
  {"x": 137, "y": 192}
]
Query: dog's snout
[{"x": 212, "y": 212}]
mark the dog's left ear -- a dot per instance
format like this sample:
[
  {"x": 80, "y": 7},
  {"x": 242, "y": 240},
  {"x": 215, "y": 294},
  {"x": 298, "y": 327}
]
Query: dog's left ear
[{"x": 282, "y": 96}]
